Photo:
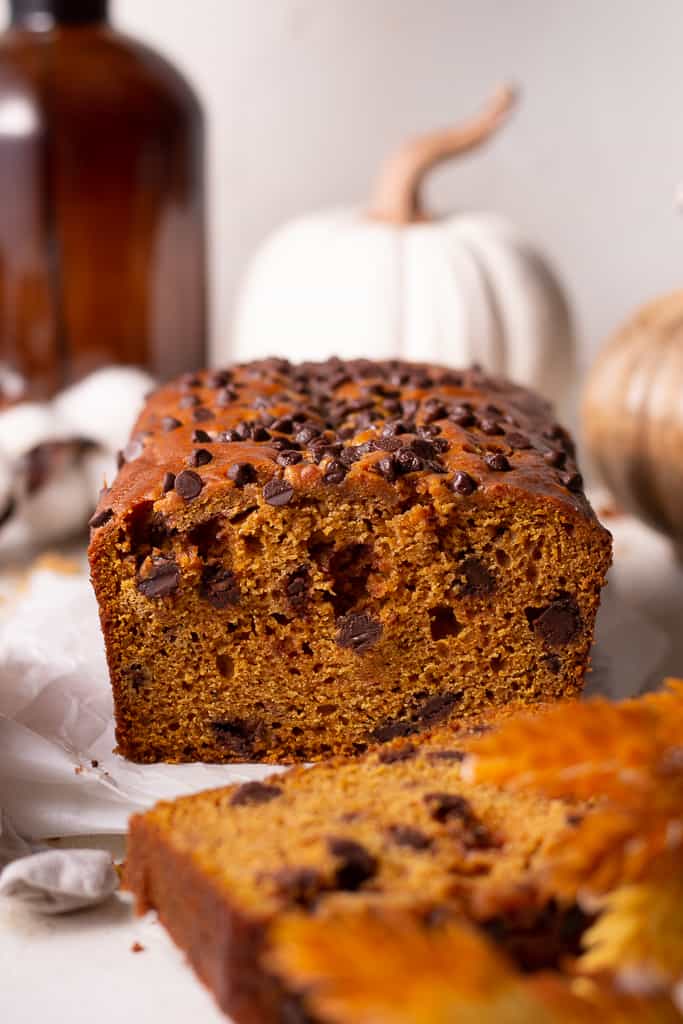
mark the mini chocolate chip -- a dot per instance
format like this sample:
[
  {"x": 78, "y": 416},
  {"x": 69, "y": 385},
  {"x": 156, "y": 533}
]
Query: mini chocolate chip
[
  {"x": 133, "y": 450},
  {"x": 498, "y": 462},
  {"x": 230, "y": 436},
  {"x": 391, "y": 729},
  {"x": 100, "y": 518},
  {"x": 201, "y": 414},
  {"x": 218, "y": 378},
  {"x": 335, "y": 472},
  {"x": 572, "y": 481},
  {"x": 392, "y": 755},
  {"x": 288, "y": 458},
  {"x": 479, "y": 579},
  {"x": 389, "y": 443},
  {"x": 358, "y": 632},
  {"x": 306, "y": 434},
  {"x": 423, "y": 447},
  {"x": 259, "y": 433},
  {"x": 490, "y": 427},
  {"x": 556, "y": 624},
  {"x": 447, "y": 755},
  {"x": 357, "y": 864},
  {"x": 406, "y": 835},
  {"x": 283, "y": 425},
  {"x": 300, "y": 887},
  {"x": 188, "y": 401},
  {"x": 555, "y": 458},
  {"x": 219, "y": 586},
  {"x": 462, "y": 417},
  {"x": 517, "y": 440},
  {"x": 297, "y": 587},
  {"x": 225, "y": 398},
  {"x": 433, "y": 409},
  {"x": 189, "y": 380},
  {"x": 278, "y": 492},
  {"x": 386, "y": 468},
  {"x": 241, "y": 473},
  {"x": 463, "y": 483},
  {"x": 162, "y": 579},
  {"x": 406, "y": 461},
  {"x": 170, "y": 423},
  {"x": 200, "y": 436},
  {"x": 443, "y": 806},
  {"x": 188, "y": 484},
  {"x": 199, "y": 457},
  {"x": 253, "y": 793},
  {"x": 438, "y": 707},
  {"x": 168, "y": 483}
]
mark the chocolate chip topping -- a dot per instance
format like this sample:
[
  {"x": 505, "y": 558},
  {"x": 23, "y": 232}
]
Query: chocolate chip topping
[
  {"x": 241, "y": 473},
  {"x": 188, "y": 484},
  {"x": 167, "y": 483},
  {"x": 299, "y": 887},
  {"x": 254, "y": 793},
  {"x": 572, "y": 481},
  {"x": 498, "y": 462},
  {"x": 219, "y": 586},
  {"x": 335, "y": 472},
  {"x": 558, "y": 623},
  {"x": 288, "y": 457},
  {"x": 463, "y": 483},
  {"x": 188, "y": 401},
  {"x": 278, "y": 492},
  {"x": 100, "y": 518},
  {"x": 202, "y": 414},
  {"x": 356, "y": 866},
  {"x": 199, "y": 457},
  {"x": 358, "y": 632},
  {"x": 161, "y": 579},
  {"x": 406, "y": 835},
  {"x": 200, "y": 436},
  {"x": 170, "y": 423}
]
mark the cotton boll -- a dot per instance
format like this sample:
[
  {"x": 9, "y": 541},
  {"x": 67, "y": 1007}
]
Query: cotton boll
[{"x": 104, "y": 406}]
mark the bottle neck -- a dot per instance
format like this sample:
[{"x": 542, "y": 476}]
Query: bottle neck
[{"x": 45, "y": 14}]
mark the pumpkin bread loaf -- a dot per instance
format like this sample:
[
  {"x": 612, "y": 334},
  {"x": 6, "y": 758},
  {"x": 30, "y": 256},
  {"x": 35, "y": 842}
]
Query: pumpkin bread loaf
[
  {"x": 297, "y": 561},
  {"x": 396, "y": 830}
]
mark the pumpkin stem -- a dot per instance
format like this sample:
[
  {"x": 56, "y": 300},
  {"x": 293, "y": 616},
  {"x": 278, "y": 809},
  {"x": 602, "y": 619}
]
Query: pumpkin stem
[{"x": 397, "y": 192}]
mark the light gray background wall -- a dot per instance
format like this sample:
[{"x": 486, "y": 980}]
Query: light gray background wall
[{"x": 305, "y": 96}]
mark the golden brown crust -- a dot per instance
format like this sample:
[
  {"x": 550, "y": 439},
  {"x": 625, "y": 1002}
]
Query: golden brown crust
[{"x": 344, "y": 552}]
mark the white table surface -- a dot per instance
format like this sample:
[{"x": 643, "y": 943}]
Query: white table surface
[{"x": 80, "y": 968}]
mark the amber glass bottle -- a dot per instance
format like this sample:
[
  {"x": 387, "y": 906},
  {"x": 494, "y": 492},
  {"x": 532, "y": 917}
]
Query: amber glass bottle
[{"x": 102, "y": 245}]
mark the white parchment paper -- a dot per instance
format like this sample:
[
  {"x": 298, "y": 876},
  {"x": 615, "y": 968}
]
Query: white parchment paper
[{"x": 56, "y": 714}]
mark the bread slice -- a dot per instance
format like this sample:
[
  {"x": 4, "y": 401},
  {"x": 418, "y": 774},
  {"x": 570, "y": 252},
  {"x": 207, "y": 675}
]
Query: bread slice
[{"x": 397, "y": 830}]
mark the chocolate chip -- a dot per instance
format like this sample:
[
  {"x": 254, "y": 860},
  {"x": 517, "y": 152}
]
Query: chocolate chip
[
  {"x": 278, "y": 492},
  {"x": 225, "y": 398},
  {"x": 100, "y": 518},
  {"x": 241, "y": 473},
  {"x": 170, "y": 423},
  {"x": 229, "y": 436},
  {"x": 188, "y": 401},
  {"x": 218, "y": 378},
  {"x": 406, "y": 461},
  {"x": 516, "y": 440},
  {"x": 335, "y": 472},
  {"x": 252, "y": 792},
  {"x": 490, "y": 427},
  {"x": 555, "y": 458},
  {"x": 456, "y": 756},
  {"x": 497, "y": 462},
  {"x": 463, "y": 483},
  {"x": 358, "y": 632},
  {"x": 402, "y": 752},
  {"x": 168, "y": 483},
  {"x": 556, "y": 624},
  {"x": 389, "y": 444},
  {"x": 306, "y": 434},
  {"x": 188, "y": 484},
  {"x": 300, "y": 887},
  {"x": 288, "y": 458},
  {"x": 259, "y": 433},
  {"x": 189, "y": 380},
  {"x": 162, "y": 579},
  {"x": 283, "y": 425},
  {"x": 356, "y": 866},
  {"x": 297, "y": 587},
  {"x": 391, "y": 729},
  {"x": 452, "y": 809},
  {"x": 572, "y": 481},
  {"x": 386, "y": 468},
  {"x": 202, "y": 414},
  {"x": 479, "y": 579},
  {"x": 406, "y": 835},
  {"x": 462, "y": 416},
  {"x": 133, "y": 450},
  {"x": 219, "y": 586},
  {"x": 199, "y": 457},
  {"x": 438, "y": 707},
  {"x": 200, "y": 436}
]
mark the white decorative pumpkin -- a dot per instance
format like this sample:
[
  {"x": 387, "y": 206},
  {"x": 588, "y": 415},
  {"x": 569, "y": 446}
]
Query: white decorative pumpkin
[{"x": 394, "y": 282}]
